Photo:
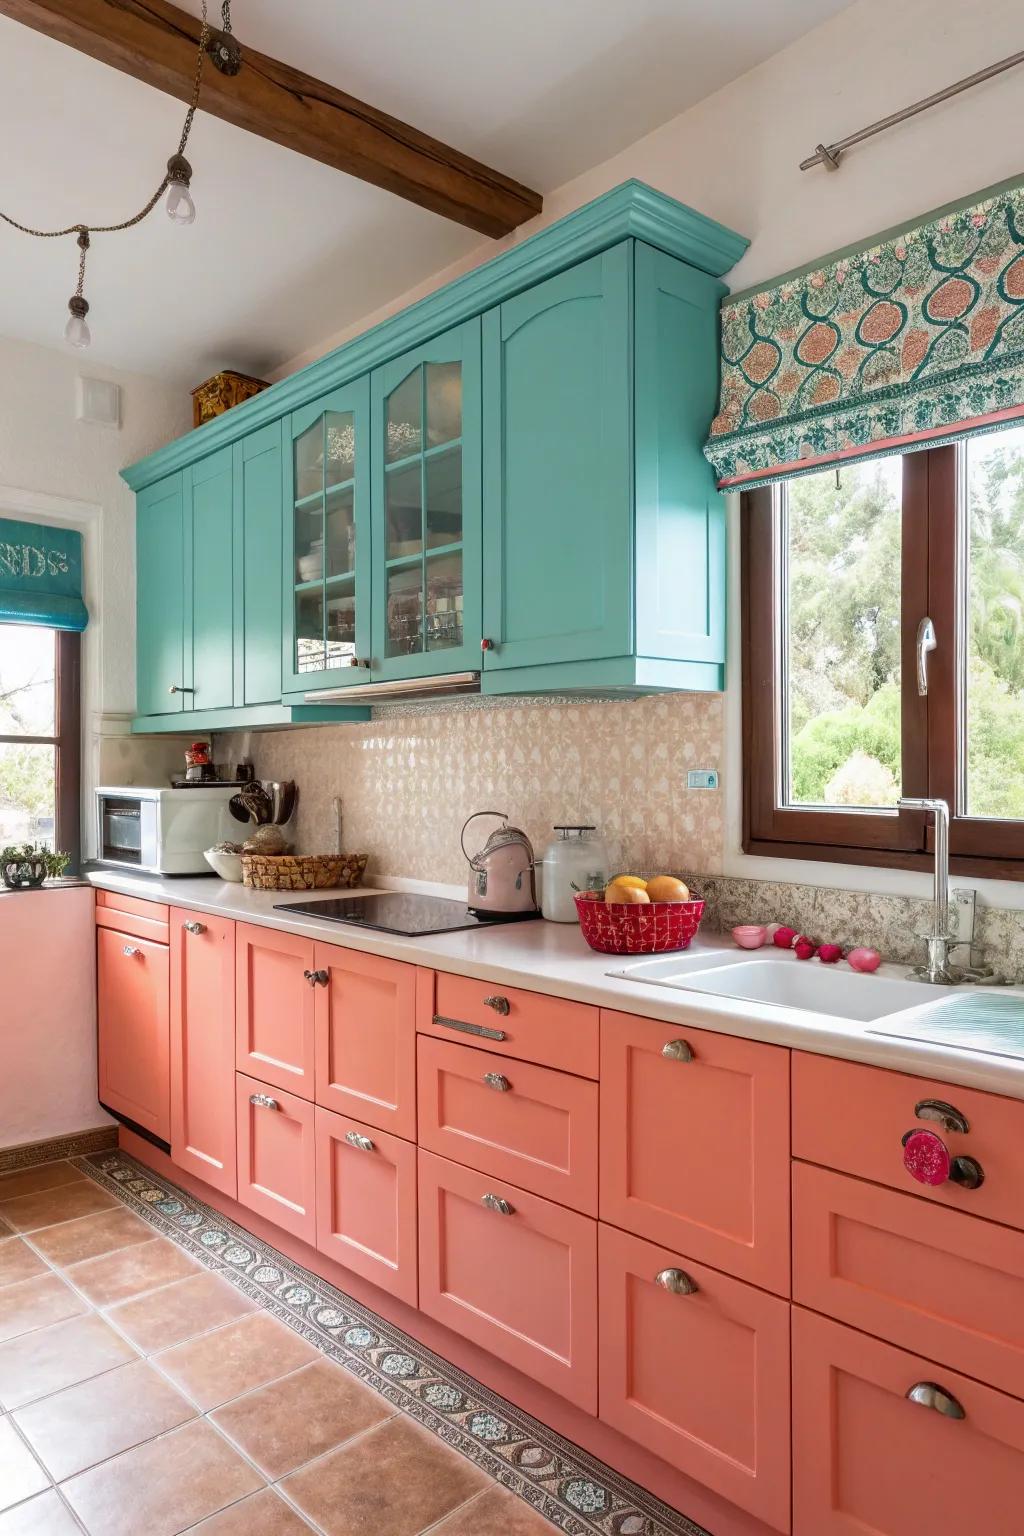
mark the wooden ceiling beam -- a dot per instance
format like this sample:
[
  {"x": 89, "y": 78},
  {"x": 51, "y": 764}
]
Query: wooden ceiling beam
[{"x": 156, "y": 42}]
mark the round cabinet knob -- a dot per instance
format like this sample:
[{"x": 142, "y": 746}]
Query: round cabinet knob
[
  {"x": 194, "y": 927},
  {"x": 926, "y": 1157},
  {"x": 498, "y": 1081},
  {"x": 677, "y": 1050},
  {"x": 496, "y": 1203},
  {"x": 177, "y": 688},
  {"x": 677, "y": 1281},
  {"x": 499, "y": 1004},
  {"x": 358, "y": 661},
  {"x": 487, "y": 645}
]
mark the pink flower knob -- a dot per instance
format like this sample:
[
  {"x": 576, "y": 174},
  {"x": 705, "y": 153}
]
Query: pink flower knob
[{"x": 926, "y": 1157}]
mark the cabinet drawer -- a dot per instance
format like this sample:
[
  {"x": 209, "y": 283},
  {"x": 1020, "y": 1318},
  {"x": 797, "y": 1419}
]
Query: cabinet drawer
[
  {"x": 366, "y": 1038},
  {"x": 276, "y": 1156},
  {"x": 133, "y": 1028},
  {"x": 867, "y": 1459},
  {"x": 155, "y": 911},
  {"x": 701, "y": 1377},
  {"x": 366, "y": 1202},
  {"x": 695, "y": 1144},
  {"x": 854, "y": 1118},
  {"x": 527, "y": 1025},
  {"x": 144, "y": 919},
  {"x": 528, "y": 1124},
  {"x": 944, "y": 1284},
  {"x": 274, "y": 1007},
  {"x": 521, "y": 1283}
]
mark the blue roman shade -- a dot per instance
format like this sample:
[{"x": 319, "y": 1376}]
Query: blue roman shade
[{"x": 41, "y": 576}]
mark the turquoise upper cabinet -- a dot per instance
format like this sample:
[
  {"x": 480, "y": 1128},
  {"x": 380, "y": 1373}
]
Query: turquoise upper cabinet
[
  {"x": 209, "y": 592},
  {"x": 557, "y": 476},
  {"x": 604, "y": 535},
  {"x": 680, "y": 515},
  {"x": 327, "y": 542},
  {"x": 160, "y": 598},
  {"x": 505, "y": 479},
  {"x": 425, "y": 463},
  {"x": 258, "y": 522}
]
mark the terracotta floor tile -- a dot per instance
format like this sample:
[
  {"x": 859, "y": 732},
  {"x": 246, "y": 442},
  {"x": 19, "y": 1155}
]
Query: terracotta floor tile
[
  {"x": 264, "y": 1514},
  {"x": 162, "y": 1487},
  {"x": 235, "y": 1359},
  {"x": 83, "y": 1425},
  {"x": 36, "y": 1303},
  {"x": 394, "y": 1481},
  {"x": 45, "y": 1515},
  {"x": 18, "y": 1262},
  {"x": 495, "y": 1513},
  {"x": 52, "y": 1358},
  {"x": 49, "y": 1206},
  {"x": 29, "y": 1181},
  {"x": 20, "y": 1474},
  {"x": 180, "y": 1311},
  {"x": 282, "y": 1426},
  {"x": 130, "y": 1271},
  {"x": 72, "y": 1241}
]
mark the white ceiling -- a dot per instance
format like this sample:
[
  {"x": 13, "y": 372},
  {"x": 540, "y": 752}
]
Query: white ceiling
[{"x": 284, "y": 251}]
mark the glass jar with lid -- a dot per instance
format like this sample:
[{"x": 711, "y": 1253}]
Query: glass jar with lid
[{"x": 576, "y": 860}]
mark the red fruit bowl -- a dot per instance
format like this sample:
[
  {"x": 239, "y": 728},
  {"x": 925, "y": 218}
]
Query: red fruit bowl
[{"x": 637, "y": 928}]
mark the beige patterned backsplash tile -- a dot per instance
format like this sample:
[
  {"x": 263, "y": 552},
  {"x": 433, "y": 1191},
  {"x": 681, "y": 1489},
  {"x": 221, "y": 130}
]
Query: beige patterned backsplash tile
[{"x": 409, "y": 779}]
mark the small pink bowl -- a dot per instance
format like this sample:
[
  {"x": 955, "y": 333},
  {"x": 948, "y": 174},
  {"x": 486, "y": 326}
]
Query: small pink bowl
[{"x": 750, "y": 935}]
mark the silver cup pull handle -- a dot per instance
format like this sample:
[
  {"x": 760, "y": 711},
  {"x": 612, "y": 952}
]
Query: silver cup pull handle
[
  {"x": 194, "y": 927},
  {"x": 928, "y": 1395},
  {"x": 356, "y": 1139},
  {"x": 677, "y": 1281},
  {"x": 677, "y": 1050},
  {"x": 496, "y": 1203},
  {"x": 263, "y": 1101}
]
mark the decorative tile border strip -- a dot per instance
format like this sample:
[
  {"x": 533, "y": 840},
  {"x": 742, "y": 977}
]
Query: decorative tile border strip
[
  {"x": 578, "y": 1494},
  {"x": 103, "y": 1138}
]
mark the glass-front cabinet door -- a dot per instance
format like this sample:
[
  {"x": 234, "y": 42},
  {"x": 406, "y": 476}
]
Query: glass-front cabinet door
[
  {"x": 426, "y": 471},
  {"x": 327, "y": 545}
]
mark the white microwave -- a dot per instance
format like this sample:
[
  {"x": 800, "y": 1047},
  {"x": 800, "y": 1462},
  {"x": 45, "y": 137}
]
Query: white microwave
[{"x": 162, "y": 831}]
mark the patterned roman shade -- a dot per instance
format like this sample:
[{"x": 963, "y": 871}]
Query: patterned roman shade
[
  {"x": 41, "y": 576},
  {"x": 912, "y": 341}
]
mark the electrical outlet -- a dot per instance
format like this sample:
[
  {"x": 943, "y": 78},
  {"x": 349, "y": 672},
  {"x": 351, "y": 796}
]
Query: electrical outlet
[{"x": 702, "y": 778}]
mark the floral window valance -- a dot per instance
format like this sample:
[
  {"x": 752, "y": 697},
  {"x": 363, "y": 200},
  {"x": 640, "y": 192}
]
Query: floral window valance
[{"x": 915, "y": 340}]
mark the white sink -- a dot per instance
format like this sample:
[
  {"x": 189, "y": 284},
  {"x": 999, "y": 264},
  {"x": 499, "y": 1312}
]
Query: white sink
[{"x": 780, "y": 978}]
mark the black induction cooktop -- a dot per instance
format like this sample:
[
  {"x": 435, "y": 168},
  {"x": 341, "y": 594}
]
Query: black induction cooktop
[{"x": 401, "y": 912}]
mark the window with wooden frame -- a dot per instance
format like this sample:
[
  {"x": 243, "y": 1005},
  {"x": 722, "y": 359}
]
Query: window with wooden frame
[
  {"x": 40, "y": 737},
  {"x": 883, "y": 656}
]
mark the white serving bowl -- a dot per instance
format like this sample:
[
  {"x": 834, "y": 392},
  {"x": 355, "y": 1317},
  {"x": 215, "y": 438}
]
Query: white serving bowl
[{"x": 227, "y": 865}]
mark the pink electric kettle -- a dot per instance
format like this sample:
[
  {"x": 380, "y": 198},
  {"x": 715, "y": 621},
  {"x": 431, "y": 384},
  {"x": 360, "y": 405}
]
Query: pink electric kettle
[{"x": 502, "y": 879}]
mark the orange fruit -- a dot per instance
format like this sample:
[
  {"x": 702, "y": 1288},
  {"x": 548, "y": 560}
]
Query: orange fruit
[
  {"x": 625, "y": 895},
  {"x": 668, "y": 888}
]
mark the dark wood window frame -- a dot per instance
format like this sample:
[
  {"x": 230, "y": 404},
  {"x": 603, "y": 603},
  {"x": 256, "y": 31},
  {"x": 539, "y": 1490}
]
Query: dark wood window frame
[
  {"x": 932, "y": 563},
  {"x": 67, "y": 741}
]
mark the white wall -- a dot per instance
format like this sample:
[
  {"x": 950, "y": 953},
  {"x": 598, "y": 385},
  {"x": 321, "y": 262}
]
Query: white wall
[
  {"x": 735, "y": 156},
  {"x": 54, "y": 468}
]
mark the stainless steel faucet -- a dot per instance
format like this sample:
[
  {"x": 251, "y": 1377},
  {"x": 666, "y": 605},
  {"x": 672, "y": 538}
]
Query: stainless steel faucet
[{"x": 937, "y": 968}]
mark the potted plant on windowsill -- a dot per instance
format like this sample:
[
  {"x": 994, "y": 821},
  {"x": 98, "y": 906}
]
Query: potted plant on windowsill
[{"x": 24, "y": 867}]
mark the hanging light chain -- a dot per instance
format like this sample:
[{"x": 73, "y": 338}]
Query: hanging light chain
[{"x": 178, "y": 171}]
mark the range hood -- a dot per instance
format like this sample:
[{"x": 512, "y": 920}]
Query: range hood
[{"x": 393, "y": 691}]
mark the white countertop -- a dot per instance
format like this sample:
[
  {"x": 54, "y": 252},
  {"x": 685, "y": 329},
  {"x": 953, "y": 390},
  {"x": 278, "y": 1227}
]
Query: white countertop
[{"x": 554, "y": 958}]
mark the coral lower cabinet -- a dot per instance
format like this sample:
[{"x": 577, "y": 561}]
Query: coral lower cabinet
[{"x": 709, "y": 1244}]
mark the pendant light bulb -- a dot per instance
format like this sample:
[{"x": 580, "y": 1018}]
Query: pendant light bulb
[
  {"x": 180, "y": 207},
  {"x": 77, "y": 332}
]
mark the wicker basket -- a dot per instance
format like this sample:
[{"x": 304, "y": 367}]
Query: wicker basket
[
  {"x": 302, "y": 871},
  {"x": 651, "y": 928}
]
